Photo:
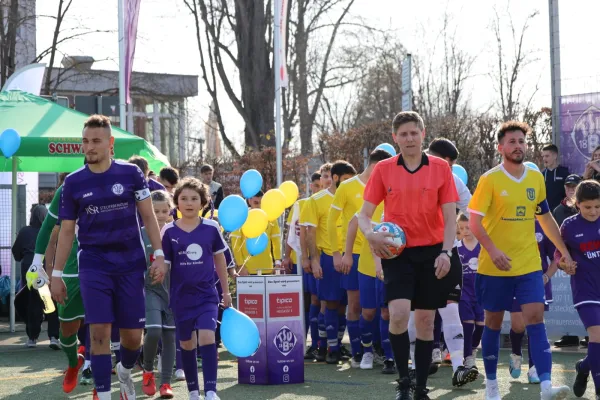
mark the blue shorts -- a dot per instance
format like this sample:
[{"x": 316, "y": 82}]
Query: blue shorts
[
  {"x": 381, "y": 303},
  {"x": 516, "y": 307},
  {"x": 309, "y": 283},
  {"x": 367, "y": 291},
  {"x": 330, "y": 287},
  {"x": 350, "y": 281},
  {"x": 470, "y": 310},
  {"x": 496, "y": 293}
]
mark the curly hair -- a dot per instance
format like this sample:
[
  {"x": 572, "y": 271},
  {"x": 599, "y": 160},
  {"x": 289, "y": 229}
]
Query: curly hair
[{"x": 195, "y": 185}]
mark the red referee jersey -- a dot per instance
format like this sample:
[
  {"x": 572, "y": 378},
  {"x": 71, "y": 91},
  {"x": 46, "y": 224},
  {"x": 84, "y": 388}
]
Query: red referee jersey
[{"x": 413, "y": 199}]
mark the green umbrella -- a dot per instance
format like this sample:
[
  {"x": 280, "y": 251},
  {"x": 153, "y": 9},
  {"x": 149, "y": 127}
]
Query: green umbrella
[{"x": 51, "y": 136}]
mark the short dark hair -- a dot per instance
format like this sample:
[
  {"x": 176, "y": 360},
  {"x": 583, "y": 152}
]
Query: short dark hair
[
  {"x": 512, "y": 126},
  {"x": 315, "y": 177},
  {"x": 169, "y": 174},
  {"x": 206, "y": 168},
  {"x": 443, "y": 148},
  {"x": 342, "y": 167},
  {"x": 97, "y": 121},
  {"x": 462, "y": 217},
  {"x": 378, "y": 155},
  {"x": 550, "y": 147},
  {"x": 160, "y": 196},
  {"x": 195, "y": 185},
  {"x": 587, "y": 190},
  {"x": 61, "y": 177},
  {"x": 405, "y": 117},
  {"x": 141, "y": 162},
  {"x": 325, "y": 168}
]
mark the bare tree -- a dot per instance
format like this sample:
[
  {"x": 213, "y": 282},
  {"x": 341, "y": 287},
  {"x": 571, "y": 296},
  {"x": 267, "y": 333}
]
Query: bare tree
[{"x": 9, "y": 12}]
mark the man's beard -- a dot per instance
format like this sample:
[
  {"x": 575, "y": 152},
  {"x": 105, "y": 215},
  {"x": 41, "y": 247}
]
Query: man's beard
[{"x": 515, "y": 158}]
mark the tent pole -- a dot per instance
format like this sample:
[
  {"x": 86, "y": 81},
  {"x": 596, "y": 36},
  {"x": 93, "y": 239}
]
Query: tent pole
[{"x": 13, "y": 231}]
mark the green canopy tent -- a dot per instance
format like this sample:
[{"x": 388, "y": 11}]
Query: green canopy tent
[{"x": 51, "y": 141}]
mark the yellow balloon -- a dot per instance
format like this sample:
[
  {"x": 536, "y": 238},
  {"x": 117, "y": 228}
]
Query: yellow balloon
[
  {"x": 290, "y": 191},
  {"x": 273, "y": 203},
  {"x": 255, "y": 224}
]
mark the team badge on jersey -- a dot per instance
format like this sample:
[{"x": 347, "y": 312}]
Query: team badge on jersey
[
  {"x": 118, "y": 189},
  {"x": 285, "y": 341},
  {"x": 531, "y": 194}
]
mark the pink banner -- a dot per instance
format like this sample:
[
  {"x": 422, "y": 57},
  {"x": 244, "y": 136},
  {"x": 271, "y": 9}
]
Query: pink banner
[
  {"x": 132, "y": 13},
  {"x": 281, "y": 24}
]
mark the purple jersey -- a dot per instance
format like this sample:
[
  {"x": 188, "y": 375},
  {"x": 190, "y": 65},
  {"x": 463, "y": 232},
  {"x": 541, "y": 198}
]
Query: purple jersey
[
  {"x": 192, "y": 265},
  {"x": 470, "y": 261},
  {"x": 154, "y": 185},
  {"x": 104, "y": 206},
  {"x": 546, "y": 254},
  {"x": 582, "y": 238}
]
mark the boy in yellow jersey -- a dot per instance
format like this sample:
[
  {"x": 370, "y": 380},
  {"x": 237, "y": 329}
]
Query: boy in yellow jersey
[
  {"x": 263, "y": 261},
  {"x": 347, "y": 201},
  {"x": 503, "y": 210},
  {"x": 315, "y": 214}
]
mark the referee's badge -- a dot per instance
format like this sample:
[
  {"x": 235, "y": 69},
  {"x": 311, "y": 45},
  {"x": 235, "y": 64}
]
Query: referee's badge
[{"x": 531, "y": 194}]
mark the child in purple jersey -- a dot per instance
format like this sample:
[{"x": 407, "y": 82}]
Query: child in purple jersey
[
  {"x": 471, "y": 312},
  {"x": 194, "y": 247},
  {"x": 581, "y": 234}
]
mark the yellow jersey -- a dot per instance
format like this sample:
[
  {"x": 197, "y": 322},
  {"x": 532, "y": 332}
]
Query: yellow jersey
[
  {"x": 509, "y": 206},
  {"x": 300, "y": 202},
  {"x": 347, "y": 201},
  {"x": 366, "y": 262},
  {"x": 315, "y": 213},
  {"x": 265, "y": 259}
]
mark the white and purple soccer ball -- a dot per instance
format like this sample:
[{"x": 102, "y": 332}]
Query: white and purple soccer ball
[{"x": 399, "y": 237}]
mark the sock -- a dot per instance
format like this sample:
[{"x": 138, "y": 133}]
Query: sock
[
  {"x": 69, "y": 346},
  {"x": 516, "y": 341},
  {"x": 490, "y": 347},
  {"x": 384, "y": 328},
  {"x": 423, "y": 350},
  {"x": 540, "y": 350},
  {"x": 322, "y": 330},
  {"x": 331, "y": 327},
  {"x": 167, "y": 355},
  {"x": 129, "y": 357},
  {"x": 437, "y": 331},
  {"x": 103, "y": 395},
  {"x": 377, "y": 334},
  {"x": 314, "y": 325},
  {"x": 354, "y": 332},
  {"x": 190, "y": 367},
  {"x": 412, "y": 336},
  {"x": 400, "y": 346},
  {"x": 307, "y": 306},
  {"x": 468, "y": 329},
  {"x": 584, "y": 366},
  {"x": 101, "y": 367},
  {"x": 86, "y": 364},
  {"x": 477, "y": 335},
  {"x": 529, "y": 357},
  {"x": 209, "y": 367},
  {"x": 594, "y": 360},
  {"x": 88, "y": 347},
  {"x": 342, "y": 328},
  {"x": 453, "y": 333},
  {"x": 82, "y": 334},
  {"x": 366, "y": 334},
  {"x": 115, "y": 340}
]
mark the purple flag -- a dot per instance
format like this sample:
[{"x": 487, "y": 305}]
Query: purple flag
[{"x": 132, "y": 13}]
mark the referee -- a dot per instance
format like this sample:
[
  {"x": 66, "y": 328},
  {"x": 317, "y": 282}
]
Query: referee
[{"x": 419, "y": 195}]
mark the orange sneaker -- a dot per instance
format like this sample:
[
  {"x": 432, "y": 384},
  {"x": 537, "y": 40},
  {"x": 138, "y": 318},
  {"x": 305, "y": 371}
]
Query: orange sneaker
[
  {"x": 95, "y": 395},
  {"x": 165, "y": 391},
  {"x": 81, "y": 350},
  {"x": 70, "y": 380},
  {"x": 149, "y": 384}
]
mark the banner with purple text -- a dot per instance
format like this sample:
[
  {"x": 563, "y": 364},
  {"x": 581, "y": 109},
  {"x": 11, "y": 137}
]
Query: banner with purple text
[{"x": 580, "y": 130}]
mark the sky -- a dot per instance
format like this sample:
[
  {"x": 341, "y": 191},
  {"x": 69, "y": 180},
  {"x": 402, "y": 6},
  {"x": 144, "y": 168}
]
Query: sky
[{"x": 167, "y": 41}]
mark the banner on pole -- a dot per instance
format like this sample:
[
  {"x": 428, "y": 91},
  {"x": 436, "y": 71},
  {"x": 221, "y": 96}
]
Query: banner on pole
[
  {"x": 407, "y": 83},
  {"x": 132, "y": 13},
  {"x": 281, "y": 24}
]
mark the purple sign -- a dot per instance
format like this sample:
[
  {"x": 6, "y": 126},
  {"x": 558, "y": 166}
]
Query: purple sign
[{"x": 580, "y": 130}]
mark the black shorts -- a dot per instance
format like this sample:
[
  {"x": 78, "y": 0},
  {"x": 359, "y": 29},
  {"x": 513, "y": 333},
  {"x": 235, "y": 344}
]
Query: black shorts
[
  {"x": 455, "y": 276},
  {"x": 411, "y": 276}
]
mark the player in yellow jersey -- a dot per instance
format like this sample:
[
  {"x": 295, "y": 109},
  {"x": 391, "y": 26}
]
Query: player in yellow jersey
[
  {"x": 314, "y": 216},
  {"x": 503, "y": 210},
  {"x": 347, "y": 202},
  {"x": 264, "y": 261}
]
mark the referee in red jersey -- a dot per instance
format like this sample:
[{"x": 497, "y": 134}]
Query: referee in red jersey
[{"x": 419, "y": 195}]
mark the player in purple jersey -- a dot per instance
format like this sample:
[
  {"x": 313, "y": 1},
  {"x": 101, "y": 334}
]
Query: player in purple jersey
[
  {"x": 581, "y": 234},
  {"x": 471, "y": 312},
  {"x": 100, "y": 202},
  {"x": 142, "y": 163},
  {"x": 194, "y": 247}
]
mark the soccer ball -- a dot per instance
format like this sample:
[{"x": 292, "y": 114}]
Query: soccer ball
[{"x": 399, "y": 237}]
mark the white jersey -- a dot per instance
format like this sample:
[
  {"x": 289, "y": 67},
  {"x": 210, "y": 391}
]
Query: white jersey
[{"x": 464, "y": 195}]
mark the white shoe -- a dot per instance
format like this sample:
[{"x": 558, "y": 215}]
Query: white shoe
[
  {"x": 555, "y": 393},
  {"x": 211, "y": 396},
  {"x": 367, "y": 361},
  {"x": 179, "y": 375},
  {"x": 475, "y": 353},
  {"x": 532, "y": 376},
  {"x": 31, "y": 343},
  {"x": 126, "y": 383},
  {"x": 514, "y": 367},
  {"x": 195, "y": 395},
  {"x": 436, "y": 356},
  {"x": 491, "y": 391},
  {"x": 54, "y": 344},
  {"x": 469, "y": 362},
  {"x": 355, "y": 361}
]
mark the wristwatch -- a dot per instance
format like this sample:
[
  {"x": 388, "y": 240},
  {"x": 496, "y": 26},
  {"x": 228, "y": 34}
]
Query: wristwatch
[{"x": 447, "y": 252}]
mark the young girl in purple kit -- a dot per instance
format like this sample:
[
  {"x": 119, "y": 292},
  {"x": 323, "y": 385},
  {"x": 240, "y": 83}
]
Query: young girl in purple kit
[
  {"x": 194, "y": 248},
  {"x": 581, "y": 234}
]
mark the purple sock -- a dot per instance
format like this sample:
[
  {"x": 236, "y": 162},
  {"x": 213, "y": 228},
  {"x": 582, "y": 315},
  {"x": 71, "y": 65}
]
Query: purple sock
[
  {"x": 178, "y": 361},
  {"x": 594, "y": 360},
  {"x": 88, "y": 345},
  {"x": 209, "y": 367},
  {"x": 516, "y": 341},
  {"x": 477, "y": 333},
  {"x": 115, "y": 338},
  {"x": 129, "y": 357},
  {"x": 101, "y": 370},
  {"x": 468, "y": 329},
  {"x": 437, "y": 331},
  {"x": 584, "y": 366},
  {"x": 82, "y": 334},
  {"x": 190, "y": 367}
]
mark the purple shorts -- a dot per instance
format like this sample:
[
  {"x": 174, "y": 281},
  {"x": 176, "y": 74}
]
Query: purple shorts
[
  {"x": 205, "y": 319},
  {"x": 470, "y": 311},
  {"x": 589, "y": 314},
  {"x": 114, "y": 299},
  {"x": 517, "y": 308}
]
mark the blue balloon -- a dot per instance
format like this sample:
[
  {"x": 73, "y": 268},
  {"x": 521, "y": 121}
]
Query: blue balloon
[
  {"x": 257, "y": 245},
  {"x": 461, "y": 173},
  {"x": 239, "y": 333},
  {"x": 387, "y": 147},
  {"x": 233, "y": 212},
  {"x": 251, "y": 183},
  {"x": 10, "y": 141},
  {"x": 531, "y": 165}
]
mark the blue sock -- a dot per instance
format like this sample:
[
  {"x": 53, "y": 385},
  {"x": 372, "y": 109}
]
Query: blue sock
[
  {"x": 540, "y": 350},
  {"x": 322, "y": 330},
  {"x": 384, "y": 328},
  {"x": 377, "y": 337},
  {"x": 209, "y": 367},
  {"x": 190, "y": 367},
  {"x": 468, "y": 333},
  {"x": 331, "y": 326},
  {"x": 490, "y": 347},
  {"x": 129, "y": 357},
  {"x": 366, "y": 334},
  {"x": 314, "y": 325},
  {"x": 101, "y": 367},
  {"x": 531, "y": 363},
  {"x": 341, "y": 328},
  {"x": 354, "y": 332},
  {"x": 594, "y": 360}
]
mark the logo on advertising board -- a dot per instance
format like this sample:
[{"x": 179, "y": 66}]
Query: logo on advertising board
[
  {"x": 284, "y": 305},
  {"x": 285, "y": 341},
  {"x": 251, "y": 305}
]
